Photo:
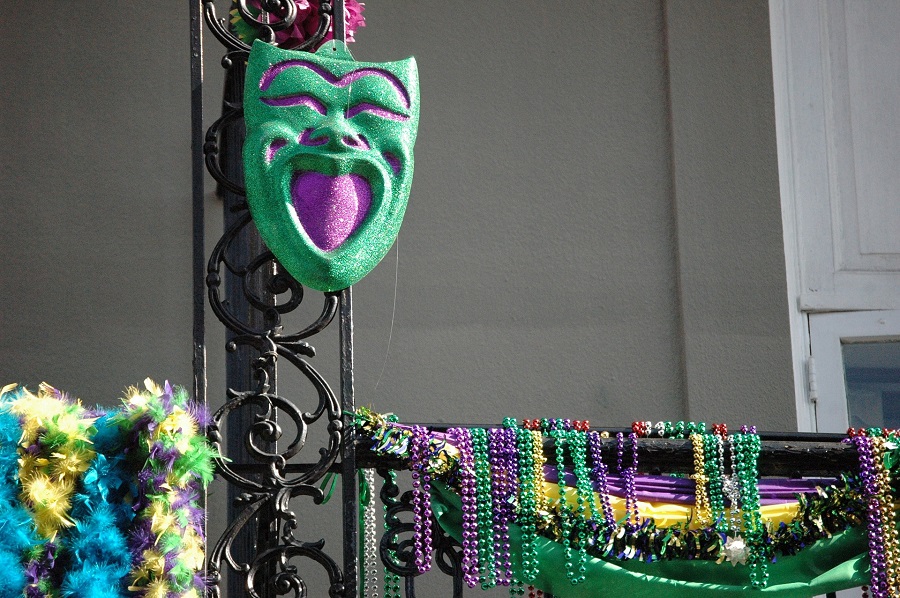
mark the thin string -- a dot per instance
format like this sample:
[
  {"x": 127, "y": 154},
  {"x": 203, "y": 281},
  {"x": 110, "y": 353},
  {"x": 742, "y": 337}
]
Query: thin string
[{"x": 393, "y": 311}]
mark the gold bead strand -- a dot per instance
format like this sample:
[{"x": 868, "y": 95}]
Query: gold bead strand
[
  {"x": 891, "y": 549},
  {"x": 700, "y": 480},
  {"x": 542, "y": 502}
]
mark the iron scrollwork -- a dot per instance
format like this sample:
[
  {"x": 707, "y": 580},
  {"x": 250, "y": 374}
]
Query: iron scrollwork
[
  {"x": 396, "y": 546},
  {"x": 231, "y": 114},
  {"x": 269, "y": 479},
  {"x": 284, "y": 13},
  {"x": 270, "y": 484}
]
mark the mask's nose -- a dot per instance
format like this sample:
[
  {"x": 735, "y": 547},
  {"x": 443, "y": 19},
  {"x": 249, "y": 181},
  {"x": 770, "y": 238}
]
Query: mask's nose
[{"x": 337, "y": 134}]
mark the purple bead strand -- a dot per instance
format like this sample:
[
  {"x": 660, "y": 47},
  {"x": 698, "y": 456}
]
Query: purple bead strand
[
  {"x": 421, "y": 498},
  {"x": 501, "y": 453},
  {"x": 620, "y": 452},
  {"x": 874, "y": 522},
  {"x": 512, "y": 479},
  {"x": 632, "y": 517},
  {"x": 462, "y": 438},
  {"x": 599, "y": 479}
]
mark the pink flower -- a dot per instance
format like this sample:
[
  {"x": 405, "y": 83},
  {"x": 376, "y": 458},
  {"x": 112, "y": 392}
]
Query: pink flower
[
  {"x": 306, "y": 23},
  {"x": 353, "y": 12}
]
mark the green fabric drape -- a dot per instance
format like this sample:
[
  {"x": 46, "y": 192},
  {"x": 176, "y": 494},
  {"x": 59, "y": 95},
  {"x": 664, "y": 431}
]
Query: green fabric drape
[{"x": 829, "y": 565}]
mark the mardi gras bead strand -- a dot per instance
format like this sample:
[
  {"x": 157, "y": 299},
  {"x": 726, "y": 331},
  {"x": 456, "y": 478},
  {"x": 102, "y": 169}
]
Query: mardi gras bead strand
[
  {"x": 623, "y": 473},
  {"x": 564, "y": 511},
  {"x": 502, "y": 457},
  {"x": 682, "y": 429},
  {"x": 632, "y": 517},
  {"x": 512, "y": 490},
  {"x": 715, "y": 468},
  {"x": 370, "y": 543},
  {"x": 663, "y": 429},
  {"x": 540, "y": 459},
  {"x": 462, "y": 438},
  {"x": 700, "y": 480},
  {"x": 516, "y": 586},
  {"x": 733, "y": 490},
  {"x": 748, "y": 447},
  {"x": 578, "y": 440},
  {"x": 421, "y": 482},
  {"x": 599, "y": 475},
  {"x": 584, "y": 496},
  {"x": 620, "y": 453},
  {"x": 643, "y": 429},
  {"x": 527, "y": 507},
  {"x": 391, "y": 579},
  {"x": 483, "y": 497},
  {"x": 875, "y": 524},
  {"x": 888, "y": 516}
]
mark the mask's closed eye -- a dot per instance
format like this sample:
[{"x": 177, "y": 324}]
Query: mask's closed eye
[
  {"x": 275, "y": 145},
  {"x": 393, "y": 161},
  {"x": 299, "y": 99},
  {"x": 376, "y": 110}
]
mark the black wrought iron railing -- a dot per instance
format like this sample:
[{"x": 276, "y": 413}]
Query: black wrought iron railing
[
  {"x": 249, "y": 294},
  {"x": 263, "y": 551}
]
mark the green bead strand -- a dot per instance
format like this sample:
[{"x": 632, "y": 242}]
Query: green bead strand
[
  {"x": 712, "y": 444},
  {"x": 527, "y": 507},
  {"x": 747, "y": 447},
  {"x": 391, "y": 579},
  {"x": 584, "y": 493},
  {"x": 484, "y": 510}
]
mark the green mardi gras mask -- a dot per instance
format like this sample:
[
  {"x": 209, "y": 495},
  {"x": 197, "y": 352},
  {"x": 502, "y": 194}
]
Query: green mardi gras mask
[{"x": 328, "y": 158}]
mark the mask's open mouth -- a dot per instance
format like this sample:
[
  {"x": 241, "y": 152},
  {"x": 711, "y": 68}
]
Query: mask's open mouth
[{"x": 330, "y": 207}]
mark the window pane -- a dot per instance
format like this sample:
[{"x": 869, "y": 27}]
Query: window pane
[{"x": 872, "y": 374}]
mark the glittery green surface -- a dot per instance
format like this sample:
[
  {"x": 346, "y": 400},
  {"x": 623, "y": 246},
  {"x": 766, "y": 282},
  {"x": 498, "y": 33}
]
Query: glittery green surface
[{"x": 300, "y": 109}]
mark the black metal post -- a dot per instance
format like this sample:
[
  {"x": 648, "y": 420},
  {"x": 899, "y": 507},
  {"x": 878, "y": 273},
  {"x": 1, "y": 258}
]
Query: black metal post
[
  {"x": 240, "y": 371},
  {"x": 339, "y": 23},
  {"x": 263, "y": 549},
  {"x": 198, "y": 219},
  {"x": 348, "y": 449}
]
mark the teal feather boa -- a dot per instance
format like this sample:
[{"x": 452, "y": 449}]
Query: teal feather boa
[{"x": 73, "y": 496}]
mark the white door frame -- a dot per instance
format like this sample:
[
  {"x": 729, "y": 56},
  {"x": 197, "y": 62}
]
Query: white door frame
[{"x": 828, "y": 332}]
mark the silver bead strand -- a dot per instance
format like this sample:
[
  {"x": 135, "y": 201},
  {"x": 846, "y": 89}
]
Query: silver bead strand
[
  {"x": 370, "y": 543},
  {"x": 734, "y": 491}
]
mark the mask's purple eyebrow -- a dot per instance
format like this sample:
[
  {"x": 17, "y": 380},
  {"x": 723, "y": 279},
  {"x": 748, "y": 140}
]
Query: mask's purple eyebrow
[
  {"x": 300, "y": 99},
  {"x": 273, "y": 71},
  {"x": 376, "y": 110}
]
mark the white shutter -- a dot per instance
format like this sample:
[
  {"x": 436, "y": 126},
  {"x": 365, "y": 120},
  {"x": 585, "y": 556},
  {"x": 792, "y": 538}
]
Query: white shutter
[{"x": 839, "y": 119}]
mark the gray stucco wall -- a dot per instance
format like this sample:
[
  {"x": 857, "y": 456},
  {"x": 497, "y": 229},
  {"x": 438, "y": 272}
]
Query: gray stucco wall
[
  {"x": 730, "y": 247},
  {"x": 536, "y": 265},
  {"x": 594, "y": 226},
  {"x": 95, "y": 187},
  {"x": 594, "y": 229}
]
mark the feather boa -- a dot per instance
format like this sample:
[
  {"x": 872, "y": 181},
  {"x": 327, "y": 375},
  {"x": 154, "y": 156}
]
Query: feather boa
[{"x": 102, "y": 505}]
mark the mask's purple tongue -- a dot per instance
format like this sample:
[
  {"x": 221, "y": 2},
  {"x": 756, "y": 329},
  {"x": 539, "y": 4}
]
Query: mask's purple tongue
[{"x": 330, "y": 208}]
